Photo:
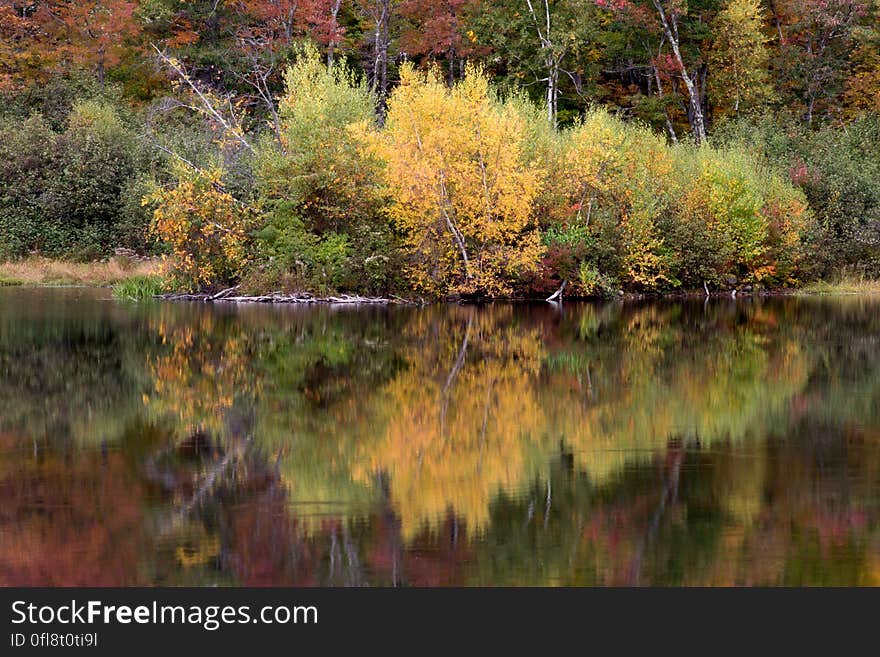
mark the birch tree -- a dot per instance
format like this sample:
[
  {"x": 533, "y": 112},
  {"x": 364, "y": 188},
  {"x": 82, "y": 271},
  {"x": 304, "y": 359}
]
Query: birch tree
[{"x": 668, "y": 13}]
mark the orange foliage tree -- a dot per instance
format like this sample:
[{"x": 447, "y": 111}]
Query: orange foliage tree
[
  {"x": 206, "y": 227},
  {"x": 94, "y": 33}
]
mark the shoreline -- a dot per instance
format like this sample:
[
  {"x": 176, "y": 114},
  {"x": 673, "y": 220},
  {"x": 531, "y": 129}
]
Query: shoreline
[
  {"x": 38, "y": 271},
  {"x": 277, "y": 298}
]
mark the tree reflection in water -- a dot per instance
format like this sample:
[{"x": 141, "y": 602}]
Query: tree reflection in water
[{"x": 671, "y": 443}]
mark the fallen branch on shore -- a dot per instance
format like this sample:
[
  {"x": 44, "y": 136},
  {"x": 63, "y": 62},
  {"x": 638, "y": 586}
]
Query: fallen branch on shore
[{"x": 228, "y": 296}]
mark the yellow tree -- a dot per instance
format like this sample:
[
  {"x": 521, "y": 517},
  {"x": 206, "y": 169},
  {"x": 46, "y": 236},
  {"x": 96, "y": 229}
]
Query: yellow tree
[
  {"x": 739, "y": 62},
  {"x": 619, "y": 173},
  {"x": 460, "y": 189}
]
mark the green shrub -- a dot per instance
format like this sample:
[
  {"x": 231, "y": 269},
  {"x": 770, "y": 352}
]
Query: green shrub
[
  {"x": 323, "y": 226},
  {"x": 320, "y": 168},
  {"x": 838, "y": 171},
  {"x": 70, "y": 194},
  {"x": 139, "y": 288}
]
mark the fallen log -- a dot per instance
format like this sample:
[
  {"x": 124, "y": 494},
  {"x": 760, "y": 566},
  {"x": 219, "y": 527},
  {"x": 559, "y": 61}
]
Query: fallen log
[{"x": 226, "y": 296}]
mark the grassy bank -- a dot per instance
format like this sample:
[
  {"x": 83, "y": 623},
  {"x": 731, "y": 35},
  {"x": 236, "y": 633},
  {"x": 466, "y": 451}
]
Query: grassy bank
[
  {"x": 848, "y": 284},
  {"x": 44, "y": 271}
]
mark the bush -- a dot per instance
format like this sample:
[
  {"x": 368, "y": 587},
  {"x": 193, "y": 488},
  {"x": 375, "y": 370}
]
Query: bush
[
  {"x": 718, "y": 227},
  {"x": 838, "y": 172},
  {"x": 324, "y": 226},
  {"x": 29, "y": 162},
  {"x": 63, "y": 194},
  {"x": 54, "y": 98},
  {"x": 628, "y": 210},
  {"x": 617, "y": 178},
  {"x": 206, "y": 228}
]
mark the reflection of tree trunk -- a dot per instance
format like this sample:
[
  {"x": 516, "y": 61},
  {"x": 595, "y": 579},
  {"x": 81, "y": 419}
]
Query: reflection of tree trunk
[
  {"x": 205, "y": 486},
  {"x": 485, "y": 423},
  {"x": 548, "y": 502},
  {"x": 668, "y": 497},
  {"x": 355, "y": 575},
  {"x": 334, "y": 550},
  {"x": 392, "y": 524},
  {"x": 456, "y": 368},
  {"x": 239, "y": 428}
]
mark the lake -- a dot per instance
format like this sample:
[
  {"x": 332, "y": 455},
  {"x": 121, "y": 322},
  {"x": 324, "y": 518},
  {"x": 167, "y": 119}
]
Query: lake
[{"x": 698, "y": 442}]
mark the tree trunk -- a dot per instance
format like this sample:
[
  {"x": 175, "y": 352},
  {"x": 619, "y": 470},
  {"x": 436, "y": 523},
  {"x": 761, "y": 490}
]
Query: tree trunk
[
  {"x": 695, "y": 116},
  {"x": 552, "y": 89},
  {"x": 332, "y": 45},
  {"x": 551, "y": 61},
  {"x": 669, "y": 127},
  {"x": 101, "y": 67},
  {"x": 558, "y": 293},
  {"x": 380, "y": 69}
]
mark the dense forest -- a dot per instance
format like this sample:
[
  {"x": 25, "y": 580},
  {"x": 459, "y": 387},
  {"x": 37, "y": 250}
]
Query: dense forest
[{"x": 453, "y": 148}]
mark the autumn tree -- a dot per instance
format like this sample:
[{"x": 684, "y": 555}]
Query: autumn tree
[
  {"x": 95, "y": 32},
  {"x": 739, "y": 78},
  {"x": 19, "y": 31},
  {"x": 663, "y": 52},
  {"x": 815, "y": 38},
  {"x": 438, "y": 31},
  {"x": 206, "y": 227},
  {"x": 460, "y": 190},
  {"x": 266, "y": 38},
  {"x": 318, "y": 168},
  {"x": 319, "y": 189},
  {"x": 544, "y": 46},
  {"x": 377, "y": 16},
  {"x": 862, "y": 85},
  {"x": 669, "y": 14}
]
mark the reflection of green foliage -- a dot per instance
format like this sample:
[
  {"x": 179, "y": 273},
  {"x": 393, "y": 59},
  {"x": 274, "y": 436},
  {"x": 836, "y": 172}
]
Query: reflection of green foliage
[
  {"x": 642, "y": 379},
  {"x": 664, "y": 443},
  {"x": 71, "y": 370}
]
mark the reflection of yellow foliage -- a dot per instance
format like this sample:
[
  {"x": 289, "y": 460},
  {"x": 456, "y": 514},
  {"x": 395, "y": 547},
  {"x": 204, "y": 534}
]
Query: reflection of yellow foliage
[
  {"x": 484, "y": 398},
  {"x": 871, "y": 573},
  {"x": 200, "y": 374},
  {"x": 205, "y": 550},
  {"x": 717, "y": 390},
  {"x": 465, "y": 418}
]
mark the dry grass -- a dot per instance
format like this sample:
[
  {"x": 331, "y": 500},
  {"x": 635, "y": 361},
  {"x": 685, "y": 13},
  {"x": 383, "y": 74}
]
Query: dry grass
[
  {"x": 43, "y": 271},
  {"x": 846, "y": 284}
]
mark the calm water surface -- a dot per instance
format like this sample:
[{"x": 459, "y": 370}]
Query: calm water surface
[{"x": 692, "y": 443}]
